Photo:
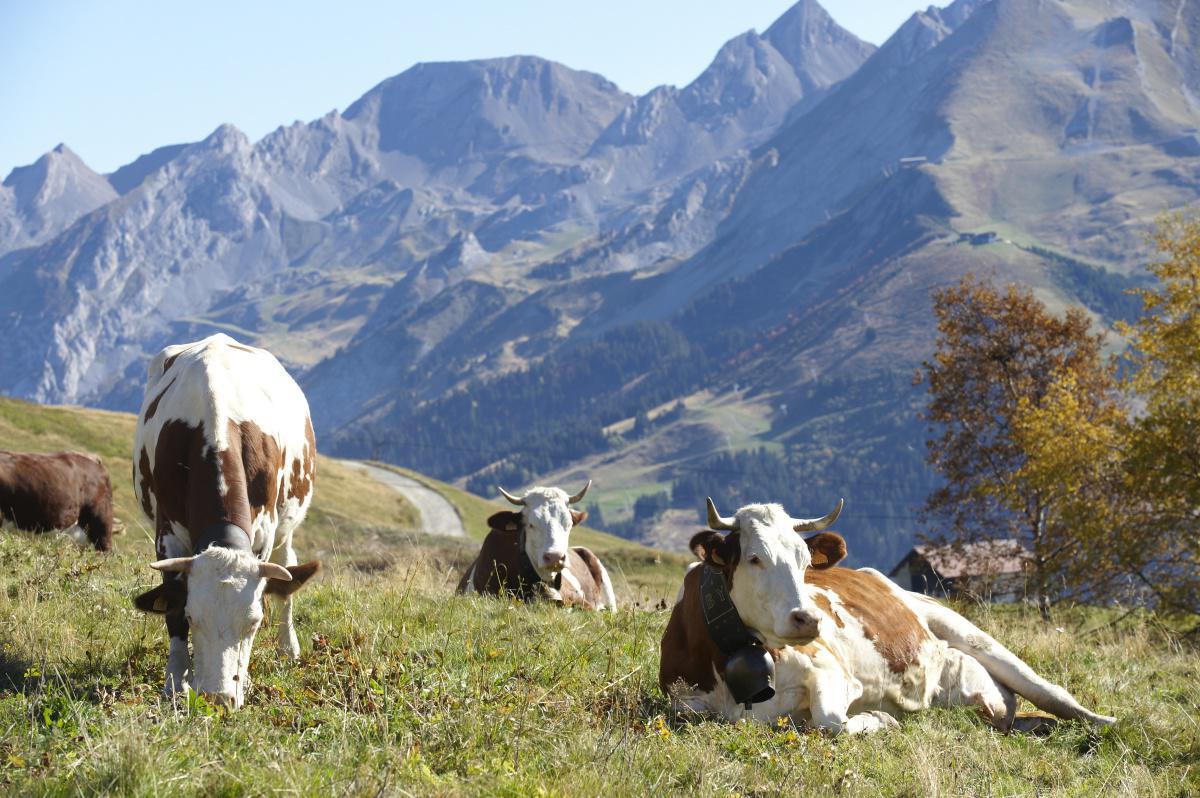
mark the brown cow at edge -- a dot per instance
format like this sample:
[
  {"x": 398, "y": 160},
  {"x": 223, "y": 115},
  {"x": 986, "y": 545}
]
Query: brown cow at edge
[
  {"x": 59, "y": 491},
  {"x": 544, "y": 523}
]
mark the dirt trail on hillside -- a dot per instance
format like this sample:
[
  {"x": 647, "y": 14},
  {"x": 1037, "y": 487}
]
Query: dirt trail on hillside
[{"x": 438, "y": 515}]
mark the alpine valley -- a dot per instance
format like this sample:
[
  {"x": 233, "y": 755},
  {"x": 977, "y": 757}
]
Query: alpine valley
[{"x": 508, "y": 271}]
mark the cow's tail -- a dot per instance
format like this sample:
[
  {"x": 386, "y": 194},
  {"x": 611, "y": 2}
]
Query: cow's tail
[{"x": 1003, "y": 665}]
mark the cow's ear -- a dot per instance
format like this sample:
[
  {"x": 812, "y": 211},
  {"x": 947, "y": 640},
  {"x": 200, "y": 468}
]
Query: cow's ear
[
  {"x": 161, "y": 599},
  {"x": 505, "y": 520},
  {"x": 578, "y": 517},
  {"x": 300, "y": 574},
  {"x": 828, "y": 549},
  {"x": 716, "y": 548}
]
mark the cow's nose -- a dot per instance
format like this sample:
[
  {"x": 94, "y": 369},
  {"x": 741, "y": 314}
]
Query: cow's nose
[
  {"x": 554, "y": 559},
  {"x": 805, "y": 623}
]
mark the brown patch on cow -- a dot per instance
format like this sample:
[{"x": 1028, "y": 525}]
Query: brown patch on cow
[
  {"x": 47, "y": 492},
  {"x": 585, "y": 566},
  {"x": 152, "y": 408},
  {"x": 687, "y": 652},
  {"x": 170, "y": 361},
  {"x": 300, "y": 575},
  {"x": 891, "y": 626},
  {"x": 186, "y": 481},
  {"x": 304, "y": 469},
  {"x": 827, "y": 549},
  {"x": 143, "y": 483},
  {"x": 823, "y": 602},
  {"x": 251, "y": 464}
]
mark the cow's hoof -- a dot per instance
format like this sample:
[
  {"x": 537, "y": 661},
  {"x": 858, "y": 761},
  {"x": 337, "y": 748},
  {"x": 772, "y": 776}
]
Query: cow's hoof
[
  {"x": 548, "y": 593},
  {"x": 173, "y": 693},
  {"x": 289, "y": 647},
  {"x": 1034, "y": 723}
]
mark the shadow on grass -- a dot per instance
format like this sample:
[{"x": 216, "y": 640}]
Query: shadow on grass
[{"x": 13, "y": 672}]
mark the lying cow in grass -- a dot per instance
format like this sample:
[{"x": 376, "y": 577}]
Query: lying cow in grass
[
  {"x": 850, "y": 649},
  {"x": 224, "y": 459},
  {"x": 526, "y": 554},
  {"x": 63, "y": 491}
]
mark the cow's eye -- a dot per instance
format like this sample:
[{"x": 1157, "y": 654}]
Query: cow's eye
[{"x": 754, "y": 559}]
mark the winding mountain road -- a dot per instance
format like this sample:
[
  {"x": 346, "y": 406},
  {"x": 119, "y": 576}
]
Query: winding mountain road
[{"x": 438, "y": 515}]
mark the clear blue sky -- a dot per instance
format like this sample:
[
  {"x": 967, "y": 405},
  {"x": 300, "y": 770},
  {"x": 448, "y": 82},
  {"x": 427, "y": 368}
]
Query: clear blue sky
[{"x": 114, "y": 79}]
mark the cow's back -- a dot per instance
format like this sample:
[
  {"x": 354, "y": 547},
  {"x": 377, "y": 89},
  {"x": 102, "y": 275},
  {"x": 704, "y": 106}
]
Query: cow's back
[
  {"x": 223, "y": 435},
  {"x": 41, "y": 492}
]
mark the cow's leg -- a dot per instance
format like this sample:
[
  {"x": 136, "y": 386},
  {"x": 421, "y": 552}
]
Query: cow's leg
[
  {"x": 98, "y": 526},
  {"x": 965, "y": 682},
  {"x": 179, "y": 662},
  {"x": 289, "y": 644},
  {"x": 1004, "y": 665},
  {"x": 466, "y": 585},
  {"x": 830, "y": 697}
]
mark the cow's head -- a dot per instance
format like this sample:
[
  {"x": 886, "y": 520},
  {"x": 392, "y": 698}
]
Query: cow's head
[
  {"x": 548, "y": 520},
  {"x": 224, "y": 607},
  {"x": 763, "y": 545}
]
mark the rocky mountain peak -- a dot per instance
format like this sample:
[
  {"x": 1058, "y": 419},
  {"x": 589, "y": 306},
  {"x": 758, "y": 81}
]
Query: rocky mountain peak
[
  {"x": 52, "y": 192},
  {"x": 448, "y": 113},
  {"x": 820, "y": 50}
]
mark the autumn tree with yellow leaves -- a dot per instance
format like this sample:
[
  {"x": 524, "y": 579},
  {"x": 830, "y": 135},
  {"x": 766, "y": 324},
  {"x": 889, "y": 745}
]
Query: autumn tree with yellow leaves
[
  {"x": 1162, "y": 447},
  {"x": 1026, "y": 424}
]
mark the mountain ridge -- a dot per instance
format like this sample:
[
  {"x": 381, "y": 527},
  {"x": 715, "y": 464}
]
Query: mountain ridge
[{"x": 467, "y": 233}]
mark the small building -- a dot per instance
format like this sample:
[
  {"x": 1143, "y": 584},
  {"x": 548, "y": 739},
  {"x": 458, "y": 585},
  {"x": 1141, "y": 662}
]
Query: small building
[
  {"x": 991, "y": 569},
  {"x": 979, "y": 239}
]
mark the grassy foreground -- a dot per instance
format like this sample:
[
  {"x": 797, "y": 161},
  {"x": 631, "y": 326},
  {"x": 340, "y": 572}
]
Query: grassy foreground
[{"x": 404, "y": 688}]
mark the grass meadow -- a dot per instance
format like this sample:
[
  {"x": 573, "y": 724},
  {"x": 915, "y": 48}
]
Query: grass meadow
[{"x": 405, "y": 689}]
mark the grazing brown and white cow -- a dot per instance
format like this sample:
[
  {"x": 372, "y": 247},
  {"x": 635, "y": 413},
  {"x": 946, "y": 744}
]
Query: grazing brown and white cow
[
  {"x": 850, "y": 649},
  {"x": 526, "y": 554},
  {"x": 223, "y": 463},
  {"x": 64, "y": 491}
]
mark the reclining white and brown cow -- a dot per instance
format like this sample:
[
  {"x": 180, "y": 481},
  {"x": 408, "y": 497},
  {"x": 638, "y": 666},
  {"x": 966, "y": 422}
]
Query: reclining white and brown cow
[
  {"x": 851, "y": 649},
  {"x": 223, "y": 463},
  {"x": 526, "y": 554}
]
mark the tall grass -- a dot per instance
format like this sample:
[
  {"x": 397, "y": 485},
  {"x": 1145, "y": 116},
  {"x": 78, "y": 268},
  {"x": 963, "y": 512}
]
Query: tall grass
[{"x": 403, "y": 688}]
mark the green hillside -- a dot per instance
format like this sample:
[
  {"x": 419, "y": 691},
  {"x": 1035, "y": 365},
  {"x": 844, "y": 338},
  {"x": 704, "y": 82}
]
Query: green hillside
[
  {"x": 353, "y": 518},
  {"x": 405, "y": 689}
]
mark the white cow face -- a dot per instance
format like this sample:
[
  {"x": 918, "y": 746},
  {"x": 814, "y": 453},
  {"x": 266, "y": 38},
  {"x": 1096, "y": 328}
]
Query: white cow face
[
  {"x": 224, "y": 609},
  {"x": 548, "y": 521},
  {"x": 767, "y": 559}
]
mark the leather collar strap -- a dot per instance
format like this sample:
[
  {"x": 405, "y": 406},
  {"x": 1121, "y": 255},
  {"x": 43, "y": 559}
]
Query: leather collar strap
[
  {"x": 225, "y": 535},
  {"x": 724, "y": 624}
]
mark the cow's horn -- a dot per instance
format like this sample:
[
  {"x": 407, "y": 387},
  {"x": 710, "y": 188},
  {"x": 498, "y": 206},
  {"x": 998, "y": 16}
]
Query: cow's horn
[
  {"x": 580, "y": 494},
  {"x": 510, "y": 497},
  {"x": 179, "y": 565},
  {"x": 271, "y": 570},
  {"x": 817, "y": 524},
  {"x": 715, "y": 521}
]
